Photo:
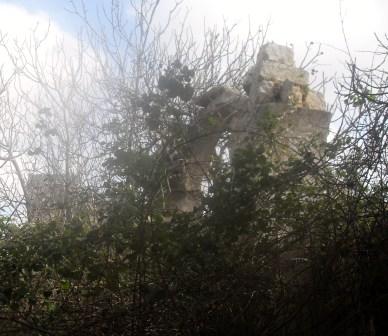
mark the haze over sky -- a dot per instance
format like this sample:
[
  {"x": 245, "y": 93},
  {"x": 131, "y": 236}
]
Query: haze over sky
[{"x": 294, "y": 22}]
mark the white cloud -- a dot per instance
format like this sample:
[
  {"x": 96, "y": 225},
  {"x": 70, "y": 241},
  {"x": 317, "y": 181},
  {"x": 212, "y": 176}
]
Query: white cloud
[
  {"x": 22, "y": 28},
  {"x": 16, "y": 21},
  {"x": 299, "y": 22}
]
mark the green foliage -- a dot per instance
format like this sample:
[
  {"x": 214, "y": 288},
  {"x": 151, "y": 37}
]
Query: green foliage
[
  {"x": 270, "y": 252},
  {"x": 176, "y": 81}
]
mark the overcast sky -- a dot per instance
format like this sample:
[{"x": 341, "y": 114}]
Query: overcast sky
[{"x": 297, "y": 21}]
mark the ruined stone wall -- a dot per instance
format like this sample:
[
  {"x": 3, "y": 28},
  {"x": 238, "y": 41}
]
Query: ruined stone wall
[
  {"x": 45, "y": 197},
  {"x": 48, "y": 198},
  {"x": 278, "y": 89},
  {"x": 274, "y": 87}
]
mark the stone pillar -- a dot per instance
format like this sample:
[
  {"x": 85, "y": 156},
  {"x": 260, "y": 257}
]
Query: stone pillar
[
  {"x": 220, "y": 105},
  {"x": 274, "y": 87},
  {"x": 278, "y": 89}
]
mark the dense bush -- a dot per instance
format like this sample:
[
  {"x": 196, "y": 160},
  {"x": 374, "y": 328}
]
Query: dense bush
[{"x": 271, "y": 252}]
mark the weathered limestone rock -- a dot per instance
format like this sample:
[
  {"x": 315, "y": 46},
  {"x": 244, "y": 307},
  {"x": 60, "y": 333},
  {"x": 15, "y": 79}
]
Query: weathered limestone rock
[
  {"x": 296, "y": 124},
  {"x": 274, "y": 77},
  {"x": 264, "y": 91},
  {"x": 273, "y": 86},
  {"x": 276, "y": 53},
  {"x": 221, "y": 104},
  {"x": 278, "y": 88},
  {"x": 45, "y": 196},
  {"x": 249, "y": 79},
  {"x": 219, "y": 97},
  {"x": 279, "y": 72},
  {"x": 315, "y": 101},
  {"x": 292, "y": 94},
  {"x": 270, "y": 56}
]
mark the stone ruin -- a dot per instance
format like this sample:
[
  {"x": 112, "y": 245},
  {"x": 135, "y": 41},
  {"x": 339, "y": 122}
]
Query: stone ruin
[
  {"x": 274, "y": 87},
  {"x": 45, "y": 197},
  {"x": 48, "y": 198}
]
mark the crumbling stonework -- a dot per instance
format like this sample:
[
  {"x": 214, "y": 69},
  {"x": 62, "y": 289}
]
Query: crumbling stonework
[
  {"x": 220, "y": 105},
  {"x": 45, "y": 197},
  {"x": 274, "y": 88},
  {"x": 48, "y": 198}
]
